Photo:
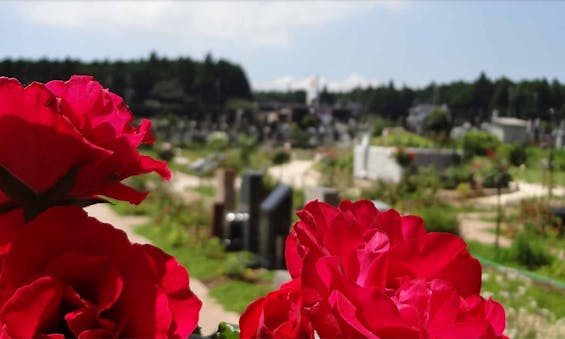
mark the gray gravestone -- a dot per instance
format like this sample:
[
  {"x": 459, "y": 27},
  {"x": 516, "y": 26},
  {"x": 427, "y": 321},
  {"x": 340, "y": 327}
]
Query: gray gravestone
[
  {"x": 325, "y": 194},
  {"x": 274, "y": 227},
  {"x": 251, "y": 195}
]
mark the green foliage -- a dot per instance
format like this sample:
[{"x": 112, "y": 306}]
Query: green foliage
[
  {"x": 235, "y": 105},
  {"x": 235, "y": 295},
  {"x": 437, "y": 125},
  {"x": 218, "y": 141},
  {"x": 160, "y": 85},
  {"x": 289, "y": 97},
  {"x": 536, "y": 214},
  {"x": 457, "y": 175},
  {"x": 515, "y": 153},
  {"x": 403, "y": 138},
  {"x": 247, "y": 146},
  {"x": 494, "y": 177},
  {"x": 236, "y": 264},
  {"x": 227, "y": 331},
  {"x": 479, "y": 143},
  {"x": 439, "y": 220},
  {"x": 336, "y": 168},
  {"x": 165, "y": 154},
  {"x": 205, "y": 190},
  {"x": 280, "y": 157},
  {"x": 378, "y": 126},
  {"x": 402, "y": 157},
  {"x": 299, "y": 137},
  {"x": 464, "y": 190},
  {"x": 530, "y": 251}
]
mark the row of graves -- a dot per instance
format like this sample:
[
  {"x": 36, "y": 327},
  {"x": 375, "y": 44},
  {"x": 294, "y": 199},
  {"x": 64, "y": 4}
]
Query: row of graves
[
  {"x": 256, "y": 220},
  {"x": 274, "y": 132}
]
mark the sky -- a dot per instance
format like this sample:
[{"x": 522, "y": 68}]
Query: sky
[{"x": 283, "y": 45}]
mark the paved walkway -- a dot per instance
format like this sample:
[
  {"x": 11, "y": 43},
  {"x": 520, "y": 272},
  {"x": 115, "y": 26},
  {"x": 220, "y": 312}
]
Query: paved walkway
[
  {"x": 297, "y": 173},
  {"x": 472, "y": 227},
  {"x": 525, "y": 190},
  {"x": 212, "y": 312}
]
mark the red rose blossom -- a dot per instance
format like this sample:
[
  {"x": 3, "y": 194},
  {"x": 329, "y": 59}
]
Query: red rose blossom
[
  {"x": 277, "y": 315},
  {"x": 67, "y": 142},
  {"x": 70, "y": 275},
  {"x": 366, "y": 273}
]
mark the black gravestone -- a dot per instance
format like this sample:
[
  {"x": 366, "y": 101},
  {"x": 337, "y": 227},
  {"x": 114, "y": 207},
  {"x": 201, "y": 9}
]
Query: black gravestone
[
  {"x": 250, "y": 197},
  {"x": 274, "y": 227}
]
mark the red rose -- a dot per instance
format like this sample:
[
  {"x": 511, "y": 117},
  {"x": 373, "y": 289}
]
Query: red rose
[
  {"x": 278, "y": 315},
  {"x": 72, "y": 146},
  {"x": 439, "y": 311},
  {"x": 69, "y": 275},
  {"x": 103, "y": 118},
  {"x": 353, "y": 261}
]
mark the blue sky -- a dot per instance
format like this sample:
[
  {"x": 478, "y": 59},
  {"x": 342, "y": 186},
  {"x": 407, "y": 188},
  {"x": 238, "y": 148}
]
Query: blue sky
[{"x": 283, "y": 44}]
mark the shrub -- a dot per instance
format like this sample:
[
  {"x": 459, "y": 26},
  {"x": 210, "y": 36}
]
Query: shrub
[
  {"x": 165, "y": 154},
  {"x": 218, "y": 141},
  {"x": 456, "y": 175},
  {"x": 236, "y": 265},
  {"x": 517, "y": 155},
  {"x": 529, "y": 250},
  {"x": 439, "y": 220},
  {"x": 479, "y": 143},
  {"x": 280, "y": 157},
  {"x": 464, "y": 190},
  {"x": 538, "y": 217},
  {"x": 403, "y": 138},
  {"x": 494, "y": 177}
]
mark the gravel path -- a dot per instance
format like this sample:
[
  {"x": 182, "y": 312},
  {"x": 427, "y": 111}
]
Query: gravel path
[
  {"x": 297, "y": 173},
  {"x": 526, "y": 190},
  {"x": 212, "y": 312},
  {"x": 473, "y": 228}
]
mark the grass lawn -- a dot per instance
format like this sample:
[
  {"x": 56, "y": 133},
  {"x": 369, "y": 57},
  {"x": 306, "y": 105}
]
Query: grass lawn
[
  {"x": 555, "y": 270},
  {"x": 532, "y": 311},
  {"x": 206, "y": 260}
]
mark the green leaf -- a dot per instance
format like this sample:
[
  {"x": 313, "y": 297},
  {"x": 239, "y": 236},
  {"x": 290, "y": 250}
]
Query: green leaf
[{"x": 227, "y": 331}]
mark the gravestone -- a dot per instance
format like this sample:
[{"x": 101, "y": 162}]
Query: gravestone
[
  {"x": 225, "y": 187},
  {"x": 237, "y": 231},
  {"x": 223, "y": 202},
  {"x": 274, "y": 227},
  {"x": 250, "y": 197},
  {"x": 325, "y": 194},
  {"x": 218, "y": 219}
]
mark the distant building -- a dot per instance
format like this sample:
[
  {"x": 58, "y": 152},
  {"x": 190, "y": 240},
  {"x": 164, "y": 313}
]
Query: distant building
[
  {"x": 418, "y": 114},
  {"x": 507, "y": 129}
]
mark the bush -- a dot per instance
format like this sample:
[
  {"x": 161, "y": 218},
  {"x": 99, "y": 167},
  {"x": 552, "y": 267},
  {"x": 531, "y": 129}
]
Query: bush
[
  {"x": 464, "y": 190},
  {"x": 218, "y": 141},
  {"x": 538, "y": 217},
  {"x": 456, "y": 175},
  {"x": 280, "y": 157},
  {"x": 529, "y": 251},
  {"x": 439, "y": 220},
  {"x": 165, "y": 154},
  {"x": 517, "y": 155},
  {"x": 403, "y": 138},
  {"x": 494, "y": 177},
  {"x": 236, "y": 265},
  {"x": 479, "y": 143}
]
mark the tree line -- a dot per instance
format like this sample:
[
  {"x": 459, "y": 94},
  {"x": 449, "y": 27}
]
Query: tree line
[
  {"x": 153, "y": 85},
  {"x": 472, "y": 101},
  {"x": 200, "y": 89}
]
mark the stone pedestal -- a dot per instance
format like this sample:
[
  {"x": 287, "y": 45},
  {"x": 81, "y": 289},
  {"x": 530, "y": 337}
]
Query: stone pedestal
[{"x": 325, "y": 194}]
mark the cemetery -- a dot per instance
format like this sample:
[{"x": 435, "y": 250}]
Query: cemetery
[{"x": 230, "y": 226}]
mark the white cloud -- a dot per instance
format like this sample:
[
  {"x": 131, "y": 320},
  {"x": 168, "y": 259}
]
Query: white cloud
[
  {"x": 308, "y": 83},
  {"x": 262, "y": 24}
]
